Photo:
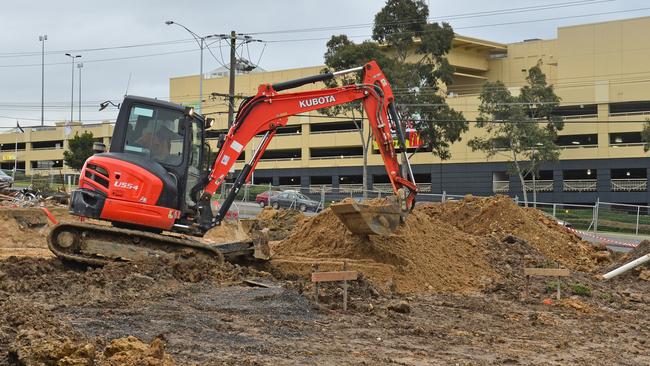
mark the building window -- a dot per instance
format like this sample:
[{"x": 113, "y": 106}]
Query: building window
[
  {"x": 628, "y": 180},
  {"x": 579, "y": 180},
  {"x": 320, "y": 180},
  {"x": 333, "y": 127},
  {"x": 285, "y": 154},
  {"x": 12, "y": 146},
  {"x": 289, "y": 181},
  {"x": 47, "y": 145},
  {"x": 577, "y": 111},
  {"x": 625, "y": 139},
  {"x": 334, "y": 153},
  {"x": 46, "y": 164},
  {"x": 623, "y": 108},
  {"x": 500, "y": 182},
  {"x": 575, "y": 141}
]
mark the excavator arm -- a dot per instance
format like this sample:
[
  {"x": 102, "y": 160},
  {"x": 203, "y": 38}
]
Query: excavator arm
[{"x": 269, "y": 110}]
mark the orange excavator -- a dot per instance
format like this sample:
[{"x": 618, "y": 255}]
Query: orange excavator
[{"x": 157, "y": 176}]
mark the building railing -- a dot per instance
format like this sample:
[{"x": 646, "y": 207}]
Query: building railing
[
  {"x": 629, "y": 114},
  {"x": 579, "y": 185},
  {"x": 500, "y": 186},
  {"x": 629, "y": 144},
  {"x": 581, "y": 116},
  {"x": 539, "y": 185},
  {"x": 590, "y": 146},
  {"x": 47, "y": 148},
  {"x": 335, "y": 157},
  {"x": 627, "y": 185},
  {"x": 334, "y": 131}
]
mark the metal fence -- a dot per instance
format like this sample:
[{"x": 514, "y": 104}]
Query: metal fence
[
  {"x": 597, "y": 217},
  {"x": 44, "y": 180}
]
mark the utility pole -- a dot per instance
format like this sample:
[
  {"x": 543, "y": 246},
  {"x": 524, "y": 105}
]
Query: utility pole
[
  {"x": 231, "y": 73},
  {"x": 80, "y": 65},
  {"x": 42, "y": 39},
  {"x": 72, "y": 89}
]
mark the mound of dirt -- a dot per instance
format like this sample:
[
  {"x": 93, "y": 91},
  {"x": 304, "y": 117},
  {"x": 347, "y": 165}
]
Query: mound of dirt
[
  {"x": 478, "y": 244},
  {"x": 228, "y": 231},
  {"x": 280, "y": 223},
  {"x": 424, "y": 254},
  {"x": 500, "y": 215}
]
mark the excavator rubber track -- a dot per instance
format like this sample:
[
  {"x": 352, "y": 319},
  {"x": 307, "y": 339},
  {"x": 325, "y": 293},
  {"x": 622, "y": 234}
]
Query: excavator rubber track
[{"x": 99, "y": 245}]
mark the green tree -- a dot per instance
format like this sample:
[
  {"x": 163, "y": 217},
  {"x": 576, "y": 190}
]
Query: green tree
[
  {"x": 521, "y": 127},
  {"x": 80, "y": 148},
  {"x": 411, "y": 52},
  {"x": 645, "y": 135}
]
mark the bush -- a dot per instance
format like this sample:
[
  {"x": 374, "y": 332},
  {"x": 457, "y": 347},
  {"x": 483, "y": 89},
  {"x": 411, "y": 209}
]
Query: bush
[{"x": 580, "y": 290}]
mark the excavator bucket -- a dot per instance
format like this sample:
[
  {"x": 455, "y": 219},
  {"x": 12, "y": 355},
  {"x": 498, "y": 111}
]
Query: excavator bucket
[{"x": 365, "y": 219}]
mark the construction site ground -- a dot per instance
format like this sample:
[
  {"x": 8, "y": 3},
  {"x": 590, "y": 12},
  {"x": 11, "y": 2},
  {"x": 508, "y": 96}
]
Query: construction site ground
[{"x": 447, "y": 288}]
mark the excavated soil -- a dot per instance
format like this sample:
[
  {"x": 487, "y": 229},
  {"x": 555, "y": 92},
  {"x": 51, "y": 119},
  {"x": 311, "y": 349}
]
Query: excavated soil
[
  {"x": 414, "y": 259},
  {"x": 466, "y": 246},
  {"x": 280, "y": 223},
  {"x": 500, "y": 215}
]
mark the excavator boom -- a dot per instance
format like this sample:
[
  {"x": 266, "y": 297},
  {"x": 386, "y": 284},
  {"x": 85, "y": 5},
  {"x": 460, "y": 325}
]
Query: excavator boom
[{"x": 268, "y": 110}]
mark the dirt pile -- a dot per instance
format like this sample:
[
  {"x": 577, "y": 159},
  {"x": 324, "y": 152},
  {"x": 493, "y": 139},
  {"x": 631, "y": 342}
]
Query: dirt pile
[
  {"x": 228, "y": 231},
  {"x": 478, "y": 244},
  {"x": 416, "y": 258},
  {"x": 280, "y": 223},
  {"x": 499, "y": 216}
]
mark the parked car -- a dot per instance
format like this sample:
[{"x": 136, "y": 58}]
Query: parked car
[
  {"x": 296, "y": 200},
  {"x": 262, "y": 199},
  {"x": 6, "y": 181}
]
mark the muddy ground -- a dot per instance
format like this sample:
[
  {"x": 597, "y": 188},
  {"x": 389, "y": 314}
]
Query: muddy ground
[{"x": 191, "y": 311}]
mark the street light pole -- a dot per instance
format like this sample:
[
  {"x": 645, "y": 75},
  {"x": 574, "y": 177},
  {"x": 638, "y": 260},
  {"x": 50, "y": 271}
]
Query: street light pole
[
  {"x": 80, "y": 66},
  {"x": 72, "y": 89},
  {"x": 42, "y": 39},
  {"x": 201, "y": 42}
]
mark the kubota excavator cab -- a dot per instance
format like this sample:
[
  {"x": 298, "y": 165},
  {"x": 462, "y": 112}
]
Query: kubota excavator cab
[{"x": 157, "y": 155}]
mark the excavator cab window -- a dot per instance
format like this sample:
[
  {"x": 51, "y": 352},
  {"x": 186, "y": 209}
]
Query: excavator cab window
[{"x": 156, "y": 133}]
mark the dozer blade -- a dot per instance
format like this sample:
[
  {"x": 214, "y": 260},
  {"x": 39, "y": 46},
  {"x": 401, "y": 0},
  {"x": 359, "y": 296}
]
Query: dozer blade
[{"x": 364, "y": 219}]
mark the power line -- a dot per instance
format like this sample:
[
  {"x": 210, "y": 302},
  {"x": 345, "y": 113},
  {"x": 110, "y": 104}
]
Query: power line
[{"x": 446, "y": 17}]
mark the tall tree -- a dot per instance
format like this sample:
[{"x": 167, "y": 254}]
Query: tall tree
[
  {"x": 521, "y": 127},
  {"x": 411, "y": 52},
  {"x": 80, "y": 148},
  {"x": 645, "y": 135}
]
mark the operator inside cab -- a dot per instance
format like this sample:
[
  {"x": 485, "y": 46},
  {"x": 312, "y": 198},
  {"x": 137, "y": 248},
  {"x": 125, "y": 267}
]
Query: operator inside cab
[{"x": 157, "y": 134}]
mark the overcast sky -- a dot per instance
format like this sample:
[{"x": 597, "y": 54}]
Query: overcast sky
[{"x": 82, "y": 27}]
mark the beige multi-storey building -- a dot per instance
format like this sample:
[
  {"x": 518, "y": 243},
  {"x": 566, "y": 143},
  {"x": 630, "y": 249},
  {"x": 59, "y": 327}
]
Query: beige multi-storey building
[
  {"x": 599, "y": 70},
  {"x": 39, "y": 150}
]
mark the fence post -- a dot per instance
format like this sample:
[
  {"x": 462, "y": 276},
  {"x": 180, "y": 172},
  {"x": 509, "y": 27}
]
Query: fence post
[
  {"x": 595, "y": 213},
  {"x": 554, "y": 209},
  {"x": 517, "y": 200},
  {"x": 444, "y": 196},
  {"x": 638, "y": 212},
  {"x": 322, "y": 196},
  {"x": 69, "y": 183}
]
